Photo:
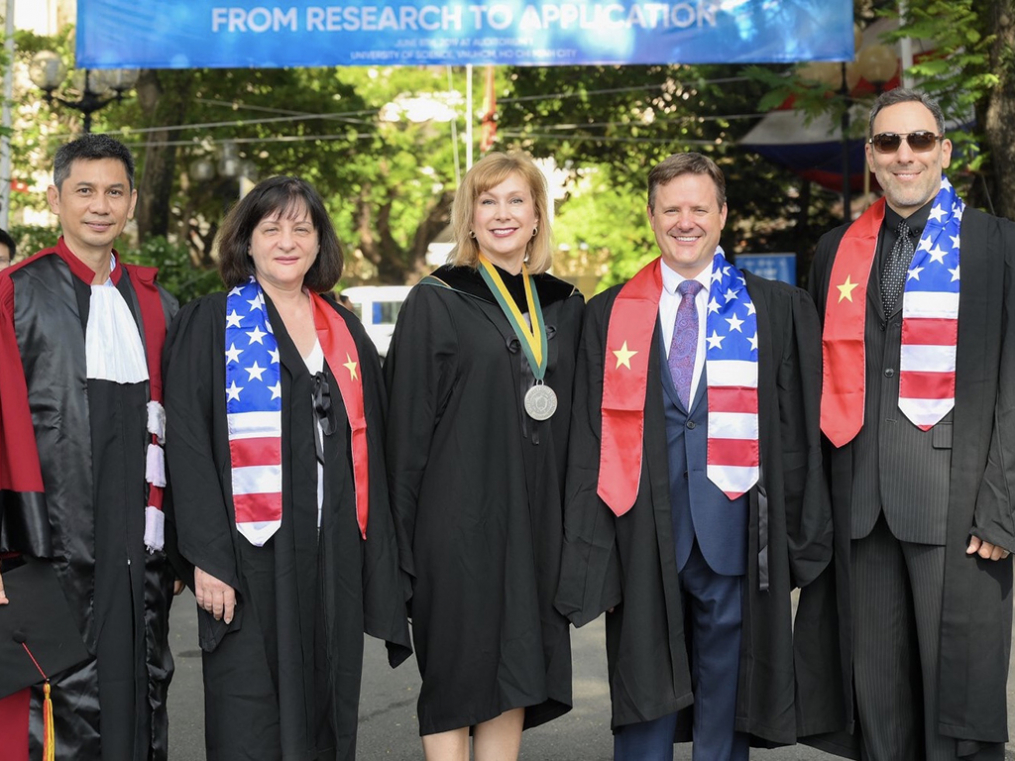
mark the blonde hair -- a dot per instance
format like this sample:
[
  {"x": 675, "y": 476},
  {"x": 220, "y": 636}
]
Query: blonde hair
[{"x": 489, "y": 172}]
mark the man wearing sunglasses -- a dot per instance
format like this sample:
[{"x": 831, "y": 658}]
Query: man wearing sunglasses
[{"x": 912, "y": 622}]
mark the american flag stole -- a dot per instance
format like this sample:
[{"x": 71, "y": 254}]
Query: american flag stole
[
  {"x": 731, "y": 368},
  {"x": 930, "y": 315},
  {"x": 254, "y": 414}
]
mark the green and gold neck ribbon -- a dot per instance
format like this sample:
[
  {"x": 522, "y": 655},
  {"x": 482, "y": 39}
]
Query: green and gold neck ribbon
[{"x": 532, "y": 338}]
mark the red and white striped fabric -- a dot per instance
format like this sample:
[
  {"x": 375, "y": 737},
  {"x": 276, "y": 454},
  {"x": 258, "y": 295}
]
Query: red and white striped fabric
[
  {"x": 731, "y": 367},
  {"x": 930, "y": 316},
  {"x": 733, "y": 451},
  {"x": 254, "y": 414},
  {"x": 927, "y": 367},
  {"x": 255, "y": 445}
]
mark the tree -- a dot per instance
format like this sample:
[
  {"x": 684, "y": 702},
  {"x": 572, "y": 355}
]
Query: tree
[
  {"x": 962, "y": 73},
  {"x": 388, "y": 180},
  {"x": 616, "y": 122},
  {"x": 999, "y": 113},
  {"x": 164, "y": 97},
  {"x": 389, "y": 183},
  {"x": 324, "y": 124},
  {"x": 970, "y": 70}
]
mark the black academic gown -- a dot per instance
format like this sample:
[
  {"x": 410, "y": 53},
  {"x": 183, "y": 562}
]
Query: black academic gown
[
  {"x": 629, "y": 563},
  {"x": 477, "y": 488},
  {"x": 89, "y": 520},
  {"x": 282, "y": 681},
  {"x": 977, "y": 597}
]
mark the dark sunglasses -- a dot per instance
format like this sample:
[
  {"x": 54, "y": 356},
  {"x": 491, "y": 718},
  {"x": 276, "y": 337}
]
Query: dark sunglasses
[{"x": 889, "y": 142}]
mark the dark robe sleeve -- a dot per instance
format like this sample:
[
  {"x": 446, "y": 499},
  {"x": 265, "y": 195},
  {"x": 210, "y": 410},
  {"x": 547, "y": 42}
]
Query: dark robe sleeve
[
  {"x": 807, "y": 503},
  {"x": 194, "y": 372},
  {"x": 385, "y": 586},
  {"x": 24, "y": 523},
  {"x": 420, "y": 369},
  {"x": 170, "y": 305},
  {"x": 822, "y": 635},
  {"x": 994, "y": 514},
  {"x": 821, "y": 268},
  {"x": 590, "y": 580}
]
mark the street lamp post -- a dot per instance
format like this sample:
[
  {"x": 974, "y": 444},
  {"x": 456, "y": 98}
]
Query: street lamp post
[
  {"x": 230, "y": 168},
  {"x": 47, "y": 72}
]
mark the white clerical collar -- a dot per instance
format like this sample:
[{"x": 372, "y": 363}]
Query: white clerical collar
[{"x": 113, "y": 347}]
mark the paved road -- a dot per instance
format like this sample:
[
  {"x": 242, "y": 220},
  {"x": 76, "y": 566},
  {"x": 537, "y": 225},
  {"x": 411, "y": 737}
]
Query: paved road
[{"x": 388, "y": 729}]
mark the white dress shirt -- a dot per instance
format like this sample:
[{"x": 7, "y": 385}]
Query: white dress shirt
[
  {"x": 669, "y": 301},
  {"x": 315, "y": 364}
]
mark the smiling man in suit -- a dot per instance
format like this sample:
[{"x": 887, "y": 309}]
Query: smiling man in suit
[
  {"x": 912, "y": 623},
  {"x": 695, "y": 497}
]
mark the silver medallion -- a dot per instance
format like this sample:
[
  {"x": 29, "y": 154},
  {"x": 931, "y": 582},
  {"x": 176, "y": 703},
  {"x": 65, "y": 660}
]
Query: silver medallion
[{"x": 540, "y": 402}]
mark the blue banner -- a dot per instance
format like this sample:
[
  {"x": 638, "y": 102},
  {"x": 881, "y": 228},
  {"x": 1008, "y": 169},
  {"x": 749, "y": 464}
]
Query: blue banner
[
  {"x": 773, "y": 266},
  {"x": 277, "y": 33}
]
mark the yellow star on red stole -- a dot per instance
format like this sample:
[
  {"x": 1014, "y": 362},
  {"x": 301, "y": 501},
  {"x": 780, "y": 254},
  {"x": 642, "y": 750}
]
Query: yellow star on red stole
[
  {"x": 623, "y": 355},
  {"x": 846, "y": 289},
  {"x": 350, "y": 366}
]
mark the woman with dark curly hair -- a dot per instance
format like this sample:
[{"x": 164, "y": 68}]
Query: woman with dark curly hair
[{"x": 274, "y": 403}]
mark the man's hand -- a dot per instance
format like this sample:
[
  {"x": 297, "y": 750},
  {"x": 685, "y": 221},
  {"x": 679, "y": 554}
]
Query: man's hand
[
  {"x": 3, "y": 595},
  {"x": 985, "y": 550},
  {"x": 214, "y": 596}
]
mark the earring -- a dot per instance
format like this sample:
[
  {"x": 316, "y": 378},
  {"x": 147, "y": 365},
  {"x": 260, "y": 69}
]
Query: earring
[
  {"x": 472, "y": 234},
  {"x": 535, "y": 230}
]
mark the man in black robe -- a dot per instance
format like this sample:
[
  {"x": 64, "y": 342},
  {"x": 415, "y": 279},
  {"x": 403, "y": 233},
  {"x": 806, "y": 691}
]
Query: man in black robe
[
  {"x": 912, "y": 623},
  {"x": 81, "y": 337},
  {"x": 695, "y": 577}
]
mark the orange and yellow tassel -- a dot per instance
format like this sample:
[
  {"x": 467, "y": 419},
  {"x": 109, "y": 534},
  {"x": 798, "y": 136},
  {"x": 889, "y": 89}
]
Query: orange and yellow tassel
[{"x": 49, "y": 731}]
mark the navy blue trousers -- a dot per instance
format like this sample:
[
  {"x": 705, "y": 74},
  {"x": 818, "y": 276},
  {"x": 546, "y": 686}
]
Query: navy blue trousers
[{"x": 712, "y": 607}]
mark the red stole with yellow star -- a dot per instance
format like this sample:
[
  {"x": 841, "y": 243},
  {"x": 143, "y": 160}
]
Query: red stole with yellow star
[
  {"x": 842, "y": 341},
  {"x": 625, "y": 380},
  {"x": 337, "y": 344}
]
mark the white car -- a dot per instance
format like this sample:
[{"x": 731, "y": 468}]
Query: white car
[{"x": 378, "y": 306}]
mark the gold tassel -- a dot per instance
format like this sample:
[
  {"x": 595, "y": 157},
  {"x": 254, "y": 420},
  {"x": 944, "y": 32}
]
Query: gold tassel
[
  {"x": 49, "y": 732},
  {"x": 48, "y": 728}
]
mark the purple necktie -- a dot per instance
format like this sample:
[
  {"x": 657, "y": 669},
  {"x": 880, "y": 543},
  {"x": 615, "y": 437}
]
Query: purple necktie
[{"x": 684, "y": 345}]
